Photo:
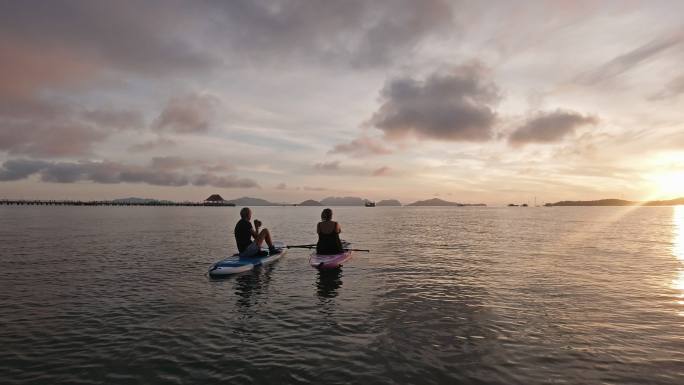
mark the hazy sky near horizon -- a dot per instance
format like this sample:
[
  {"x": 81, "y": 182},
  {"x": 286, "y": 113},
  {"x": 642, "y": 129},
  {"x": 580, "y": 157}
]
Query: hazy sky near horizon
[{"x": 467, "y": 101}]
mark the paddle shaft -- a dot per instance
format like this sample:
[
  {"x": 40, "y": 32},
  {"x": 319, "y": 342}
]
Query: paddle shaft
[{"x": 312, "y": 246}]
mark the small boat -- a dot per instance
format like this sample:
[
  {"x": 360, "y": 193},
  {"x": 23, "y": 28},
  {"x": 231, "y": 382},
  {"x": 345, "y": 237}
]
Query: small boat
[
  {"x": 369, "y": 204},
  {"x": 327, "y": 262},
  {"x": 234, "y": 264}
]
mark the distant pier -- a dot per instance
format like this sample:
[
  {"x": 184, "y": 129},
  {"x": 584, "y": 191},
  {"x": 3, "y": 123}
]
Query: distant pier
[{"x": 31, "y": 202}]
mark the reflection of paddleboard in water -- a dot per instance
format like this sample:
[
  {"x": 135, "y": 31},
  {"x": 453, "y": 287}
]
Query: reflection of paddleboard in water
[
  {"x": 234, "y": 264},
  {"x": 328, "y": 282}
]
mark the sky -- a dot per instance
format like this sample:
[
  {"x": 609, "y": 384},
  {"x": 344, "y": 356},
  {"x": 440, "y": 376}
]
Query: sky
[{"x": 476, "y": 102}]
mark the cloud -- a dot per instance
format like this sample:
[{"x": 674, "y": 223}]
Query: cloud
[
  {"x": 52, "y": 129},
  {"x": 30, "y": 66},
  {"x": 311, "y": 188},
  {"x": 329, "y": 166},
  {"x": 223, "y": 181},
  {"x": 356, "y": 32},
  {"x": 382, "y": 171},
  {"x": 454, "y": 106},
  {"x": 115, "y": 172},
  {"x": 549, "y": 127},
  {"x": 115, "y": 119},
  {"x": 152, "y": 145},
  {"x": 20, "y": 169},
  {"x": 169, "y": 163},
  {"x": 672, "y": 89},
  {"x": 69, "y": 41},
  {"x": 281, "y": 186},
  {"x": 187, "y": 115},
  {"x": 629, "y": 60},
  {"x": 48, "y": 139},
  {"x": 61, "y": 48},
  {"x": 361, "y": 147}
]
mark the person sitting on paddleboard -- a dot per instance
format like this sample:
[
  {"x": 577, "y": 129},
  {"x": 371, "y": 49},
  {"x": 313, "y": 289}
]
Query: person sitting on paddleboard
[
  {"x": 244, "y": 232},
  {"x": 328, "y": 235}
]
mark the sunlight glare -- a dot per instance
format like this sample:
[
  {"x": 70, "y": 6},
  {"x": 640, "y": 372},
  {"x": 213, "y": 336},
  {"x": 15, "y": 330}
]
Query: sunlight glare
[
  {"x": 669, "y": 185},
  {"x": 678, "y": 250}
]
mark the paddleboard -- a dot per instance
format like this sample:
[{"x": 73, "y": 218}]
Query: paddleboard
[
  {"x": 326, "y": 262},
  {"x": 234, "y": 264}
]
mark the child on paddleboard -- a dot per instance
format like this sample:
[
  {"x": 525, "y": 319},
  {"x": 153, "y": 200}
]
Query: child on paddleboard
[
  {"x": 244, "y": 233},
  {"x": 328, "y": 235}
]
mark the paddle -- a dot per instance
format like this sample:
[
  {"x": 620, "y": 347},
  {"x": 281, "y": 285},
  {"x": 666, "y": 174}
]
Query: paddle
[
  {"x": 301, "y": 246},
  {"x": 312, "y": 246}
]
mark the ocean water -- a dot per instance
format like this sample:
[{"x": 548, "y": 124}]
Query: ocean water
[{"x": 119, "y": 295}]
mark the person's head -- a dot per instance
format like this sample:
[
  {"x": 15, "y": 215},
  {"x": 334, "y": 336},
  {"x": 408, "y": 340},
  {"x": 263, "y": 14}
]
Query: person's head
[
  {"x": 246, "y": 213},
  {"x": 326, "y": 215}
]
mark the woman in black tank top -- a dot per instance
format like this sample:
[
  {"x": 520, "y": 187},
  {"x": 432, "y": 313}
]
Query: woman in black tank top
[{"x": 328, "y": 235}]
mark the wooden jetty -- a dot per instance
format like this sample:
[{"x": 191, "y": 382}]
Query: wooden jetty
[{"x": 32, "y": 202}]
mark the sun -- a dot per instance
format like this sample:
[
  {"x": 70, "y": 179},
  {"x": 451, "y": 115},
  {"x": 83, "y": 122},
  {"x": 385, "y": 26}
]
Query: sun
[{"x": 669, "y": 185}]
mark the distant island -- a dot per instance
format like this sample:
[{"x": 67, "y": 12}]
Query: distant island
[
  {"x": 247, "y": 201},
  {"x": 217, "y": 200},
  {"x": 441, "y": 202},
  {"x": 343, "y": 201},
  {"x": 388, "y": 202},
  {"x": 618, "y": 202},
  {"x": 310, "y": 202}
]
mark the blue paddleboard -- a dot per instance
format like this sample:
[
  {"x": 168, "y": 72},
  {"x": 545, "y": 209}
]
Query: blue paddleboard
[{"x": 234, "y": 264}]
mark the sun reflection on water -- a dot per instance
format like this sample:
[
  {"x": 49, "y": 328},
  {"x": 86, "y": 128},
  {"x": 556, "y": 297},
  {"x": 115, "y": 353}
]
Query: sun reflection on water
[{"x": 678, "y": 250}]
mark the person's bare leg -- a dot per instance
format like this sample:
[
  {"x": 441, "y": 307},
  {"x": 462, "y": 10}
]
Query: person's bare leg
[
  {"x": 264, "y": 235},
  {"x": 259, "y": 239},
  {"x": 267, "y": 237}
]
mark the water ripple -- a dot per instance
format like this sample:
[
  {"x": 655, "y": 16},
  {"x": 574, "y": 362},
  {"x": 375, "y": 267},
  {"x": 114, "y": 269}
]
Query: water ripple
[{"x": 457, "y": 295}]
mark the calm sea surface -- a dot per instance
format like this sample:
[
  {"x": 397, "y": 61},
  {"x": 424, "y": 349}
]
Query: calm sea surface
[{"x": 119, "y": 295}]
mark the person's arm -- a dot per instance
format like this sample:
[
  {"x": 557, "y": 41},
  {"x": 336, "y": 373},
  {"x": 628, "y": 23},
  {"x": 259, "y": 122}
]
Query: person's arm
[
  {"x": 255, "y": 230},
  {"x": 318, "y": 228},
  {"x": 338, "y": 229}
]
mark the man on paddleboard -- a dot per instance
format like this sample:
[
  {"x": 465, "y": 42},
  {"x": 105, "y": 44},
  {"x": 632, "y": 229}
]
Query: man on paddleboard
[{"x": 244, "y": 233}]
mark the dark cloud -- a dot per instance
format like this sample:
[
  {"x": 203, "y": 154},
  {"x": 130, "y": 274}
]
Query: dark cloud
[
  {"x": 362, "y": 146},
  {"x": 63, "y": 42},
  {"x": 62, "y": 47},
  {"x": 186, "y": 115},
  {"x": 47, "y": 139},
  {"x": 20, "y": 169},
  {"x": 549, "y": 127},
  {"x": 328, "y": 166},
  {"x": 671, "y": 90},
  {"x": 455, "y": 106},
  {"x": 114, "y": 172},
  {"x": 356, "y": 32},
  {"x": 74, "y": 38},
  {"x": 382, "y": 171},
  {"x": 51, "y": 129},
  {"x": 631, "y": 59},
  {"x": 172, "y": 162}
]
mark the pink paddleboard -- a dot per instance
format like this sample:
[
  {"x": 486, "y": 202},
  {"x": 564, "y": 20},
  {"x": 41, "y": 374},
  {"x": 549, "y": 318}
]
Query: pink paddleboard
[{"x": 329, "y": 261}]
